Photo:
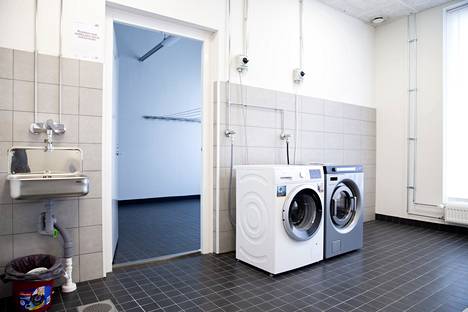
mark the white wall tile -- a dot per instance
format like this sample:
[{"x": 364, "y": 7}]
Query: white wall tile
[
  {"x": 6, "y": 94},
  {"x": 262, "y": 155},
  {"x": 351, "y": 141},
  {"x": 6, "y": 246},
  {"x": 70, "y": 100},
  {"x": 260, "y": 97},
  {"x": 90, "y": 266},
  {"x": 351, "y": 126},
  {"x": 90, "y": 239},
  {"x": 21, "y": 126},
  {"x": 95, "y": 184},
  {"x": 334, "y": 109},
  {"x": 90, "y": 211},
  {"x": 227, "y": 241},
  {"x": 70, "y": 72},
  {"x": 312, "y": 156},
  {"x": 4, "y": 147},
  {"x": 285, "y": 101},
  {"x": 6, "y": 63},
  {"x": 91, "y": 156},
  {"x": 333, "y": 140},
  {"x": 90, "y": 102},
  {"x": 333, "y": 156},
  {"x": 47, "y": 68},
  {"x": 6, "y": 125},
  {"x": 367, "y": 128},
  {"x": 6, "y": 213},
  {"x": 23, "y": 95},
  {"x": 47, "y": 98},
  {"x": 262, "y": 137},
  {"x": 352, "y": 157},
  {"x": 90, "y": 129},
  {"x": 311, "y": 105},
  {"x": 312, "y": 139},
  {"x": 351, "y": 111},
  {"x": 65, "y": 211},
  {"x": 23, "y": 65},
  {"x": 332, "y": 124},
  {"x": 90, "y": 74},
  {"x": 4, "y": 189},
  {"x": 311, "y": 122},
  {"x": 368, "y": 142}
]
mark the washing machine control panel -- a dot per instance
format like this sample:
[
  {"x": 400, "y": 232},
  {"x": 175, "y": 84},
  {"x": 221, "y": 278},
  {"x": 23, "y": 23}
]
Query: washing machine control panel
[{"x": 315, "y": 173}]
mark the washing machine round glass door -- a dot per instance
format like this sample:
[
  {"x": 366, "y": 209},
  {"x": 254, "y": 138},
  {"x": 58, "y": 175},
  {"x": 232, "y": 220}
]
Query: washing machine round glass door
[
  {"x": 302, "y": 214},
  {"x": 343, "y": 206}
]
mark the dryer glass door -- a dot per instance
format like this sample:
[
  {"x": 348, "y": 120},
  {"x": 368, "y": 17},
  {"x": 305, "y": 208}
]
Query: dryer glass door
[
  {"x": 302, "y": 214},
  {"x": 343, "y": 206}
]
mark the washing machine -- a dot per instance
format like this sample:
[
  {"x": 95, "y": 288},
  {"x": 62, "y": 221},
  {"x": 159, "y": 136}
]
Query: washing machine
[
  {"x": 344, "y": 212},
  {"x": 279, "y": 216}
]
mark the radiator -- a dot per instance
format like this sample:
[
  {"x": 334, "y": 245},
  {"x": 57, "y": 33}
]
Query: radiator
[{"x": 456, "y": 213}]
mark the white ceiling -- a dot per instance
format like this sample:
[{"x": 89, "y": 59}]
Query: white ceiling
[{"x": 366, "y": 10}]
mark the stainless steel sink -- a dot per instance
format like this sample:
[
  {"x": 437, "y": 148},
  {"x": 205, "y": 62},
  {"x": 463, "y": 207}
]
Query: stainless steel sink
[
  {"x": 36, "y": 172},
  {"x": 28, "y": 186}
]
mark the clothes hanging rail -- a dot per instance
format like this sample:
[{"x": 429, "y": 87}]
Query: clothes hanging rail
[{"x": 167, "y": 118}]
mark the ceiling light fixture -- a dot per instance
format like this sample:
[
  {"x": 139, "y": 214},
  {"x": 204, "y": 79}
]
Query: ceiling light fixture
[{"x": 378, "y": 20}]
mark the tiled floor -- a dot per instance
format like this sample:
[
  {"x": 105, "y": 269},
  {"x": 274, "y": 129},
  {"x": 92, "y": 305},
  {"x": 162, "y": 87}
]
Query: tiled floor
[
  {"x": 159, "y": 228},
  {"x": 401, "y": 268}
]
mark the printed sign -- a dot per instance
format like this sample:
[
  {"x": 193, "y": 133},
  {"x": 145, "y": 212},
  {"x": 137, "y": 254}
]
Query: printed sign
[{"x": 87, "y": 38}]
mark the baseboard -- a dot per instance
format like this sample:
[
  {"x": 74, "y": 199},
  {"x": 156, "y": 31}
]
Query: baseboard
[
  {"x": 154, "y": 260},
  {"x": 156, "y": 200},
  {"x": 429, "y": 225}
]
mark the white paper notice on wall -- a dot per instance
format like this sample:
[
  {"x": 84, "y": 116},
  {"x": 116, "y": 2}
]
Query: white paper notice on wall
[{"x": 87, "y": 41}]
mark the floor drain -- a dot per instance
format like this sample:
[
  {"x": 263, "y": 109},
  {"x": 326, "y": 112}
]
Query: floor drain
[{"x": 102, "y": 306}]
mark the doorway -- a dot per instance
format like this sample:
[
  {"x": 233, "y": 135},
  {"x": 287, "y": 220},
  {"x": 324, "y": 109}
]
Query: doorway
[
  {"x": 158, "y": 143},
  {"x": 207, "y": 41}
]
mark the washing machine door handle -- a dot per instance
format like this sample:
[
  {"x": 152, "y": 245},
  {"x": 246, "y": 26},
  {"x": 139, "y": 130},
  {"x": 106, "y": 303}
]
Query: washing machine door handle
[
  {"x": 354, "y": 204},
  {"x": 334, "y": 209}
]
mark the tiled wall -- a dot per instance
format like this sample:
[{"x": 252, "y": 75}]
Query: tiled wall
[
  {"x": 82, "y": 111},
  {"x": 330, "y": 132}
]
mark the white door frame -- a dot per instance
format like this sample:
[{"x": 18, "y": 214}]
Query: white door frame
[{"x": 210, "y": 42}]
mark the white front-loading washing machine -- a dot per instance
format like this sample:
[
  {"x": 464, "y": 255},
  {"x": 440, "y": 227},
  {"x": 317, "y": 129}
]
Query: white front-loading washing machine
[{"x": 279, "y": 216}]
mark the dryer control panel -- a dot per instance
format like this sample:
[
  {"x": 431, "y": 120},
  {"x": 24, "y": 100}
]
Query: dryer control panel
[{"x": 343, "y": 169}]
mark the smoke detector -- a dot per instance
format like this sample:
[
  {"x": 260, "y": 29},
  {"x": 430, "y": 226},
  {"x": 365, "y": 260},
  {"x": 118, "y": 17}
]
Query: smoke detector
[{"x": 378, "y": 20}]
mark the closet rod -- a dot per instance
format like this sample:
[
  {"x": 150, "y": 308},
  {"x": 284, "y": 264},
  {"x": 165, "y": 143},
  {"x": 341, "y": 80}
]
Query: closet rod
[{"x": 197, "y": 120}]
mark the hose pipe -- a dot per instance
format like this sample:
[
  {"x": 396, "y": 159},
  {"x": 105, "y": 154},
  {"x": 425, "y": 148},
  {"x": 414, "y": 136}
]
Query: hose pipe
[
  {"x": 232, "y": 213},
  {"x": 286, "y": 138}
]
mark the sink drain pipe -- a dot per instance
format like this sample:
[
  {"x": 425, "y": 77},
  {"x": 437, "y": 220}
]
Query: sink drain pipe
[
  {"x": 48, "y": 226},
  {"x": 68, "y": 286}
]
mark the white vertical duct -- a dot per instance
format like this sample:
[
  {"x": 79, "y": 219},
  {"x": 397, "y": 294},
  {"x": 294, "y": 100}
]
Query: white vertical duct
[
  {"x": 412, "y": 123},
  {"x": 60, "y": 61},
  {"x": 296, "y": 102},
  {"x": 35, "y": 59},
  {"x": 245, "y": 18}
]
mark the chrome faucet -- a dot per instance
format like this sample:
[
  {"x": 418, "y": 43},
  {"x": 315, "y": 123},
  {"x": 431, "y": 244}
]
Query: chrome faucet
[{"x": 50, "y": 128}]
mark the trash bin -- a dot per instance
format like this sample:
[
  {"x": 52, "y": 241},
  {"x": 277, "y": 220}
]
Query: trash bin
[{"x": 33, "y": 281}]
